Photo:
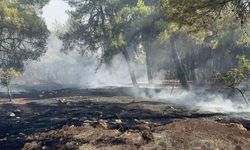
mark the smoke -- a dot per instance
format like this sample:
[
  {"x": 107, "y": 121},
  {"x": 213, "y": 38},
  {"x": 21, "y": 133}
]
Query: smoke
[
  {"x": 56, "y": 70},
  {"x": 202, "y": 101}
]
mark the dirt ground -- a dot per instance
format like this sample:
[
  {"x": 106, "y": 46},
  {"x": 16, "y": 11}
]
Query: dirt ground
[
  {"x": 100, "y": 121},
  {"x": 184, "y": 134}
]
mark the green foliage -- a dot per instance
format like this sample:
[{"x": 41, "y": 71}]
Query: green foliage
[
  {"x": 233, "y": 78},
  {"x": 198, "y": 12},
  {"x": 104, "y": 25},
  {"x": 236, "y": 76},
  {"x": 110, "y": 25},
  {"x": 170, "y": 29},
  {"x": 209, "y": 22},
  {"x": 7, "y": 74},
  {"x": 23, "y": 34},
  {"x": 244, "y": 65},
  {"x": 37, "y": 3}
]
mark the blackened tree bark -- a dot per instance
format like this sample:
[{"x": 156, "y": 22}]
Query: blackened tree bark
[
  {"x": 192, "y": 66},
  {"x": 9, "y": 93},
  {"x": 149, "y": 71},
  {"x": 148, "y": 62},
  {"x": 179, "y": 70},
  {"x": 130, "y": 68}
]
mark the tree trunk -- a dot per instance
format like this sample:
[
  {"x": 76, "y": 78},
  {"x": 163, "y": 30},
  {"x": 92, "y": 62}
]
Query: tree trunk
[
  {"x": 130, "y": 68},
  {"x": 179, "y": 70},
  {"x": 9, "y": 93},
  {"x": 192, "y": 68},
  {"x": 148, "y": 63}
]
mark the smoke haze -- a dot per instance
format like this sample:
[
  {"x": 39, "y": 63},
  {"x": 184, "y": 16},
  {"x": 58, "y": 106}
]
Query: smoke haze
[{"x": 56, "y": 70}]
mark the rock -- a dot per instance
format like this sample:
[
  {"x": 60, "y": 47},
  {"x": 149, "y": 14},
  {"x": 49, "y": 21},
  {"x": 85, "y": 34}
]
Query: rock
[
  {"x": 236, "y": 125},
  {"x": 143, "y": 127},
  {"x": 17, "y": 111},
  {"x": 137, "y": 121},
  {"x": 118, "y": 121},
  {"x": 219, "y": 119},
  {"x": 69, "y": 146},
  {"x": 4, "y": 139},
  {"x": 102, "y": 123},
  {"x": 147, "y": 136},
  {"x": 12, "y": 115},
  {"x": 141, "y": 121},
  {"x": 62, "y": 101},
  {"x": 21, "y": 134},
  {"x": 18, "y": 118},
  {"x": 133, "y": 138},
  {"x": 87, "y": 121},
  {"x": 32, "y": 146},
  {"x": 37, "y": 113}
]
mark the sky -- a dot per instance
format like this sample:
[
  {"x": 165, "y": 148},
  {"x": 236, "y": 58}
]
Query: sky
[{"x": 55, "y": 11}]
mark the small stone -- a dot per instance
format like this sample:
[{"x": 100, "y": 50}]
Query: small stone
[
  {"x": 236, "y": 125},
  {"x": 12, "y": 115},
  {"x": 62, "y": 101},
  {"x": 132, "y": 138},
  {"x": 172, "y": 108},
  {"x": 4, "y": 139},
  {"x": 21, "y": 134},
  {"x": 136, "y": 120},
  {"x": 87, "y": 121},
  {"x": 17, "y": 111},
  {"x": 36, "y": 113},
  {"x": 219, "y": 119},
  {"x": 30, "y": 146},
  {"x": 103, "y": 124},
  {"x": 143, "y": 127},
  {"x": 148, "y": 136},
  {"x": 18, "y": 118},
  {"x": 118, "y": 121}
]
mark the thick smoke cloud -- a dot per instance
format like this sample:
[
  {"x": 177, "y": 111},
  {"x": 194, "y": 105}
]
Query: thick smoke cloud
[{"x": 57, "y": 70}]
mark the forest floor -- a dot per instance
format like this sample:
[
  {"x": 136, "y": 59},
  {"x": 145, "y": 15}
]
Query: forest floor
[{"x": 99, "y": 121}]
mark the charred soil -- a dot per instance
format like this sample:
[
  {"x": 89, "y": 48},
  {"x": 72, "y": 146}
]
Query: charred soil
[{"x": 114, "y": 122}]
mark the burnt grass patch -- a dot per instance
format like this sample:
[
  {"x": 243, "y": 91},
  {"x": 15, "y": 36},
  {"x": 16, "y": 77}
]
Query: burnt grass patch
[{"x": 47, "y": 114}]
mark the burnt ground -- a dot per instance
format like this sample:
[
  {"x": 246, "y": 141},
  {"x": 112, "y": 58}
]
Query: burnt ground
[{"x": 111, "y": 119}]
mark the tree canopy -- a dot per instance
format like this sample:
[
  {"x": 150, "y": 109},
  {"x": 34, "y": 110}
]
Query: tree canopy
[
  {"x": 110, "y": 27},
  {"x": 23, "y": 33}
]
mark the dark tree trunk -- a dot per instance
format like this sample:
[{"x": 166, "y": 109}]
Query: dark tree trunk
[
  {"x": 130, "y": 68},
  {"x": 179, "y": 70},
  {"x": 148, "y": 63},
  {"x": 192, "y": 67},
  {"x": 9, "y": 93}
]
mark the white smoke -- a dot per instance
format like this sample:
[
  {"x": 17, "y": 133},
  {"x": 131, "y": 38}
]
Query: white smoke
[
  {"x": 57, "y": 70},
  {"x": 202, "y": 101}
]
